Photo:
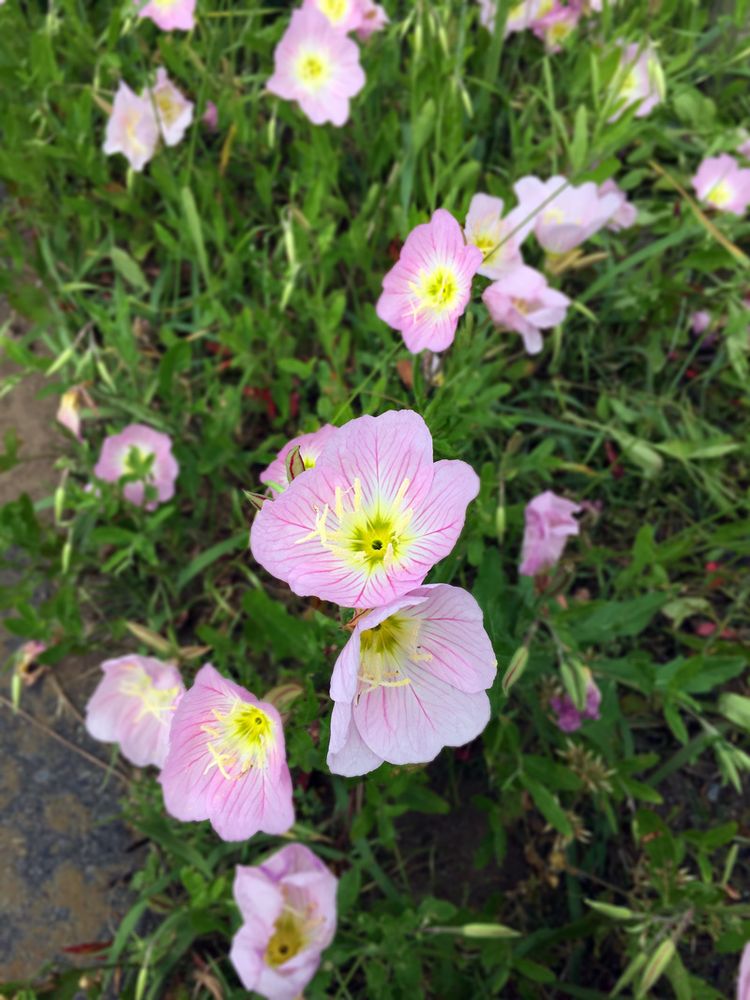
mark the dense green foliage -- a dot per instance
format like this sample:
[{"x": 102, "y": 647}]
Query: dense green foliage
[{"x": 226, "y": 296}]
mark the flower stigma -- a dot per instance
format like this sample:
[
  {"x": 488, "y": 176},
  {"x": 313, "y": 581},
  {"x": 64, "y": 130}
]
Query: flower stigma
[{"x": 240, "y": 739}]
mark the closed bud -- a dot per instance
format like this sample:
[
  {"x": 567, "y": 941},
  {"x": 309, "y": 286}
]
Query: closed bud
[
  {"x": 576, "y": 679},
  {"x": 295, "y": 464},
  {"x": 282, "y": 696},
  {"x": 611, "y": 911},
  {"x": 500, "y": 522},
  {"x": 256, "y": 499},
  {"x": 657, "y": 965},
  {"x": 516, "y": 667},
  {"x": 489, "y": 931}
]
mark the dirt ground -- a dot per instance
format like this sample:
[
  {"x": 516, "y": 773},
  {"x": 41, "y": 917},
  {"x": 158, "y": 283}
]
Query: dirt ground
[{"x": 63, "y": 850}]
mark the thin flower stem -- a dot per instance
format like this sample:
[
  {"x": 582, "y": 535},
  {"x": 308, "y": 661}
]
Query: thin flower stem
[{"x": 528, "y": 218}]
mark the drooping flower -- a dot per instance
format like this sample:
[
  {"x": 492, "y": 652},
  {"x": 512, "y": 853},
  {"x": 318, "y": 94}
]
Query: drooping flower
[
  {"x": 639, "y": 79},
  {"x": 370, "y": 520},
  {"x": 310, "y": 447},
  {"x": 68, "y": 412},
  {"x": 343, "y": 15},
  {"x": 700, "y": 321},
  {"x": 522, "y": 301},
  {"x": 373, "y": 17},
  {"x": 211, "y": 116},
  {"x": 130, "y": 451},
  {"x": 570, "y": 217},
  {"x": 743, "y": 980},
  {"x": 132, "y": 128},
  {"x": 174, "y": 112},
  {"x": 569, "y": 718},
  {"x": 626, "y": 214},
  {"x": 288, "y": 906},
  {"x": 426, "y": 293},
  {"x": 169, "y": 15},
  {"x": 549, "y": 521},
  {"x": 556, "y": 25},
  {"x": 133, "y": 705},
  {"x": 486, "y": 229},
  {"x": 317, "y": 66},
  {"x": 411, "y": 679},
  {"x": 721, "y": 183},
  {"x": 226, "y": 761}
]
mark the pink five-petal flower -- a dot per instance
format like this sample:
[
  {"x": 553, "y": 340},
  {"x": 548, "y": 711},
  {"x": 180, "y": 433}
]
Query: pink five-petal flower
[
  {"x": 570, "y": 217},
  {"x": 174, "y": 112},
  {"x": 132, "y": 128},
  {"x": 169, "y": 15},
  {"x": 122, "y": 453},
  {"x": 743, "y": 981},
  {"x": 133, "y": 705},
  {"x": 569, "y": 718},
  {"x": 318, "y": 67},
  {"x": 367, "y": 524},
  {"x": 549, "y": 521},
  {"x": 343, "y": 15},
  {"x": 639, "y": 80},
  {"x": 626, "y": 214},
  {"x": 556, "y": 24},
  {"x": 721, "y": 183},
  {"x": 288, "y": 907},
  {"x": 310, "y": 448},
  {"x": 522, "y": 301},
  {"x": 411, "y": 679},
  {"x": 486, "y": 229},
  {"x": 426, "y": 293},
  {"x": 373, "y": 17},
  {"x": 226, "y": 761}
]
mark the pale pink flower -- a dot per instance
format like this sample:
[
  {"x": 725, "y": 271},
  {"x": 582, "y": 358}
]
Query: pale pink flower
[
  {"x": 522, "y": 301},
  {"x": 211, "y": 116},
  {"x": 700, "y": 321},
  {"x": 133, "y": 705},
  {"x": 569, "y": 718},
  {"x": 226, "y": 761},
  {"x": 556, "y": 25},
  {"x": 174, "y": 112},
  {"x": 317, "y": 66},
  {"x": 367, "y": 524},
  {"x": 411, "y": 679},
  {"x": 426, "y": 293},
  {"x": 626, "y": 214},
  {"x": 520, "y": 16},
  {"x": 125, "y": 453},
  {"x": 132, "y": 128},
  {"x": 372, "y": 18},
  {"x": 343, "y": 15},
  {"x": 169, "y": 15},
  {"x": 571, "y": 217},
  {"x": 721, "y": 183},
  {"x": 310, "y": 448},
  {"x": 639, "y": 79},
  {"x": 743, "y": 981},
  {"x": 549, "y": 521},
  {"x": 68, "y": 412},
  {"x": 288, "y": 907},
  {"x": 485, "y": 228}
]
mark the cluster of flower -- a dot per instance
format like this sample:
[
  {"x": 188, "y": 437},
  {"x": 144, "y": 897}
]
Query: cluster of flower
[
  {"x": 316, "y": 64},
  {"x": 550, "y": 20}
]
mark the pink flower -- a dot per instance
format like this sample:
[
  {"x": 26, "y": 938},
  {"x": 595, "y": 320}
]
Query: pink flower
[
  {"x": 133, "y": 705},
  {"x": 723, "y": 184},
  {"x": 426, "y": 293},
  {"x": 520, "y": 16},
  {"x": 522, "y": 301},
  {"x": 317, "y": 66},
  {"x": 68, "y": 412},
  {"x": 288, "y": 906},
  {"x": 626, "y": 214},
  {"x": 126, "y": 453},
  {"x": 743, "y": 982},
  {"x": 372, "y": 18},
  {"x": 485, "y": 228},
  {"x": 571, "y": 217},
  {"x": 639, "y": 80},
  {"x": 132, "y": 128},
  {"x": 173, "y": 111},
  {"x": 411, "y": 680},
  {"x": 343, "y": 15},
  {"x": 549, "y": 521},
  {"x": 569, "y": 719},
  {"x": 170, "y": 14},
  {"x": 744, "y": 148},
  {"x": 226, "y": 761},
  {"x": 556, "y": 25},
  {"x": 367, "y": 524},
  {"x": 211, "y": 116},
  {"x": 310, "y": 448},
  {"x": 700, "y": 321}
]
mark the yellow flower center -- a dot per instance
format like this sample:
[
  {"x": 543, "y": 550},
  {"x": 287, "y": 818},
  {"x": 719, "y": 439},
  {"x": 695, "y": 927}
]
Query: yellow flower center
[
  {"x": 135, "y": 460},
  {"x": 559, "y": 31},
  {"x": 288, "y": 939},
  {"x": 436, "y": 291},
  {"x": 154, "y": 701},
  {"x": 334, "y": 10},
  {"x": 369, "y": 536},
  {"x": 169, "y": 109},
  {"x": 240, "y": 739},
  {"x": 312, "y": 70},
  {"x": 720, "y": 194},
  {"x": 383, "y": 649}
]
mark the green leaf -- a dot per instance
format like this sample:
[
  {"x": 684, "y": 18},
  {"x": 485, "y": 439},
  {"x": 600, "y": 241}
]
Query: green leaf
[
  {"x": 128, "y": 269},
  {"x": 205, "y": 559},
  {"x": 196, "y": 231},
  {"x": 548, "y": 806},
  {"x": 736, "y": 708}
]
